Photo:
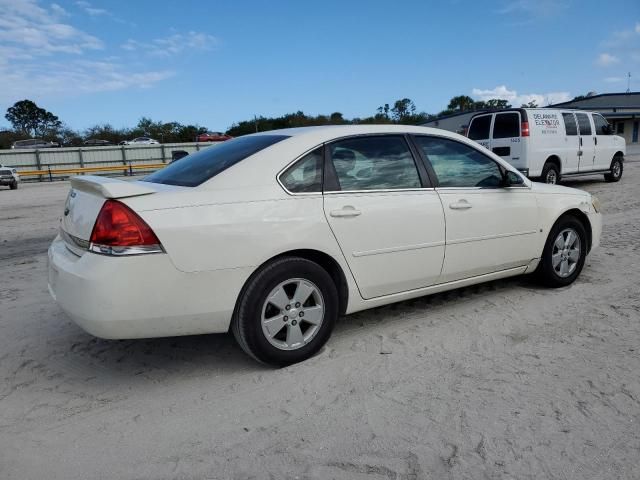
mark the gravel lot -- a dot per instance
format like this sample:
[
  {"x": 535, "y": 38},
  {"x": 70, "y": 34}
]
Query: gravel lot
[{"x": 505, "y": 380}]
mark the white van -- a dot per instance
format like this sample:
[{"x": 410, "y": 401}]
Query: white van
[{"x": 548, "y": 144}]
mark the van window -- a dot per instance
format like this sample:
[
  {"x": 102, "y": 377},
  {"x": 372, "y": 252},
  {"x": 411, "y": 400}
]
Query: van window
[
  {"x": 584, "y": 123},
  {"x": 479, "y": 128},
  {"x": 506, "y": 125},
  {"x": 570, "y": 124},
  {"x": 602, "y": 126}
]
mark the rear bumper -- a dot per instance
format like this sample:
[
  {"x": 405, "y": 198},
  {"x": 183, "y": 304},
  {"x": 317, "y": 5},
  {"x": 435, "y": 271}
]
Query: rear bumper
[{"x": 141, "y": 296}]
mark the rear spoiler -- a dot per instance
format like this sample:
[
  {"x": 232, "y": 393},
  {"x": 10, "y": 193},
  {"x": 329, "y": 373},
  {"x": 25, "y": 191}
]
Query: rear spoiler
[{"x": 109, "y": 187}]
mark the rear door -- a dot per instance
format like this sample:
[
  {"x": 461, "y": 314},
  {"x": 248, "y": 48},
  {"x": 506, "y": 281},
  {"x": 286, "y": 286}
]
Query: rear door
[
  {"x": 572, "y": 150},
  {"x": 505, "y": 138},
  {"x": 480, "y": 130},
  {"x": 390, "y": 228},
  {"x": 587, "y": 143}
]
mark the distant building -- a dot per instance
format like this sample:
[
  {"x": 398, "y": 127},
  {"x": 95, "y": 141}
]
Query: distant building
[
  {"x": 622, "y": 110},
  {"x": 456, "y": 122}
]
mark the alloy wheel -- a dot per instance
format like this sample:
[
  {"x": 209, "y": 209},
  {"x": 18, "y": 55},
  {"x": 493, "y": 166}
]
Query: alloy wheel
[{"x": 565, "y": 254}]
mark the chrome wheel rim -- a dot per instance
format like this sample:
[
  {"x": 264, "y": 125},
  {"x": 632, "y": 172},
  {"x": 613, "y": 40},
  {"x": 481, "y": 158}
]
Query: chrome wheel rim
[
  {"x": 566, "y": 253},
  {"x": 616, "y": 169},
  {"x": 292, "y": 314},
  {"x": 551, "y": 177}
]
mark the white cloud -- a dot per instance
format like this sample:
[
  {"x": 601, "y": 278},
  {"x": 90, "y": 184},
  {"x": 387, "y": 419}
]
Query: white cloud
[
  {"x": 536, "y": 8},
  {"x": 91, "y": 10},
  {"x": 606, "y": 59},
  {"x": 173, "y": 44},
  {"x": 501, "y": 92},
  {"x": 42, "y": 55},
  {"x": 613, "y": 79},
  {"x": 637, "y": 28}
]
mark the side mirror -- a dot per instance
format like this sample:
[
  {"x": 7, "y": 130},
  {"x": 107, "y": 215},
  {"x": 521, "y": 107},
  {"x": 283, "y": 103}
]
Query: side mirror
[{"x": 512, "y": 179}]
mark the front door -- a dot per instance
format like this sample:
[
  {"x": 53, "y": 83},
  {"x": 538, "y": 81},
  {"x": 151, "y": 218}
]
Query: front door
[
  {"x": 587, "y": 143},
  {"x": 605, "y": 146},
  {"x": 390, "y": 229},
  {"x": 489, "y": 227},
  {"x": 571, "y": 152}
]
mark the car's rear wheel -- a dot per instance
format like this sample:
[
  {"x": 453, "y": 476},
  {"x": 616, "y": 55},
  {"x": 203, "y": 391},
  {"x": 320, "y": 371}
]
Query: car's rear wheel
[
  {"x": 564, "y": 253},
  {"x": 286, "y": 312},
  {"x": 550, "y": 173},
  {"x": 615, "y": 173},
  {"x": 14, "y": 186}
]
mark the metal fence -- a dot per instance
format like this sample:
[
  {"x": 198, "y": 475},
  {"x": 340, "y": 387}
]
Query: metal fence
[{"x": 52, "y": 159}]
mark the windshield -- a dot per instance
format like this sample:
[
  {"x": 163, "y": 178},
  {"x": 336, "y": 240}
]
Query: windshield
[{"x": 199, "y": 167}]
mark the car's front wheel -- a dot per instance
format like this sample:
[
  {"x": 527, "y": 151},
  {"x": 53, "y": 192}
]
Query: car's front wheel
[
  {"x": 286, "y": 312},
  {"x": 14, "y": 185},
  {"x": 564, "y": 253}
]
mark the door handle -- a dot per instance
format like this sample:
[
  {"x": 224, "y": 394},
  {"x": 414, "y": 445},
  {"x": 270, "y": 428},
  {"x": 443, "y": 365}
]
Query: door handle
[
  {"x": 460, "y": 205},
  {"x": 346, "y": 211}
]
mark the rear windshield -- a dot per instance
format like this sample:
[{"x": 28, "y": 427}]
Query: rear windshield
[
  {"x": 199, "y": 167},
  {"x": 479, "y": 128}
]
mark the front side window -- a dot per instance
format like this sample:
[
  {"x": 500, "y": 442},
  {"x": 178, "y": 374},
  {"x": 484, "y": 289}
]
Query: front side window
[
  {"x": 602, "y": 126},
  {"x": 506, "y": 125},
  {"x": 305, "y": 176},
  {"x": 458, "y": 165},
  {"x": 199, "y": 167},
  {"x": 584, "y": 123},
  {"x": 479, "y": 128},
  {"x": 570, "y": 125},
  {"x": 374, "y": 163}
]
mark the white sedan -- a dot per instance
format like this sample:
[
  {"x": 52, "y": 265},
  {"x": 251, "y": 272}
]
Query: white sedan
[
  {"x": 274, "y": 235},
  {"x": 141, "y": 141}
]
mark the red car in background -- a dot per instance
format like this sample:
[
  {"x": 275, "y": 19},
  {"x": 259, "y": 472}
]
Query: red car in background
[{"x": 213, "y": 137}]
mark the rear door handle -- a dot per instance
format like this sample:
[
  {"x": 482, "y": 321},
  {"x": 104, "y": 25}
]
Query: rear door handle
[
  {"x": 460, "y": 205},
  {"x": 346, "y": 211}
]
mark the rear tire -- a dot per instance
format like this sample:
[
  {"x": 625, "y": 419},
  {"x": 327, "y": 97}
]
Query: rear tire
[
  {"x": 617, "y": 166},
  {"x": 564, "y": 253},
  {"x": 14, "y": 186},
  {"x": 286, "y": 312},
  {"x": 550, "y": 173}
]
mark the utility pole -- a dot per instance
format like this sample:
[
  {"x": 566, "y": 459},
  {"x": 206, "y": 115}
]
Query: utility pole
[
  {"x": 629, "y": 82},
  {"x": 255, "y": 119}
]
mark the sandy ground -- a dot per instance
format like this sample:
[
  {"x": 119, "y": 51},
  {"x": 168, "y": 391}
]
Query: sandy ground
[{"x": 501, "y": 381}]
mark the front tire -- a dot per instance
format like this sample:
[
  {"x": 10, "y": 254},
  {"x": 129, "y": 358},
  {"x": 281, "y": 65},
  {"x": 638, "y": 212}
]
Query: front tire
[
  {"x": 14, "y": 186},
  {"x": 564, "y": 253},
  {"x": 286, "y": 312},
  {"x": 617, "y": 167},
  {"x": 550, "y": 173}
]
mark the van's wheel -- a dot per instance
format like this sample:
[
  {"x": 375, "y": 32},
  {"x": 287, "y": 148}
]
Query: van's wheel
[
  {"x": 286, "y": 312},
  {"x": 564, "y": 253},
  {"x": 14, "y": 186},
  {"x": 616, "y": 170},
  {"x": 550, "y": 173}
]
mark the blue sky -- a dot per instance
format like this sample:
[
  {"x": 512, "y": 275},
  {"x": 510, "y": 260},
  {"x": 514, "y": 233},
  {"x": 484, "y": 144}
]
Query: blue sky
[{"x": 213, "y": 63}]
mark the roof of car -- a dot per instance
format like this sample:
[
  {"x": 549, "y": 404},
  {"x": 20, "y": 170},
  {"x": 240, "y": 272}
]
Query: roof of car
[{"x": 328, "y": 131}]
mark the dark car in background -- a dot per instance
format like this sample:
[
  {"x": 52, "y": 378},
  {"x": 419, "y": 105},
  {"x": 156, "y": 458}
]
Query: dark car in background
[
  {"x": 34, "y": 143},
  {"x": 96, "y": 142},
  {"x": 213, "y": 137}
]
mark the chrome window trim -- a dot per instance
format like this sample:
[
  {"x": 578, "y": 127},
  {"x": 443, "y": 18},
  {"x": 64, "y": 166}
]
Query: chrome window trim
[{"x": 381, "y": 190}]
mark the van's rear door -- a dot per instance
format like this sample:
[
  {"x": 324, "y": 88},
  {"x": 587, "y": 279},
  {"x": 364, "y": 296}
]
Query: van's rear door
[
  {"x": 480, "y": 129},
  {"x": 506, "y": 141}
]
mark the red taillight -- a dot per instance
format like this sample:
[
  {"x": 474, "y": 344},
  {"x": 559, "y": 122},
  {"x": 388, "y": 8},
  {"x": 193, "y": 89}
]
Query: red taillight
[
  {"x": 120, "y": 227},
  {"x": 524, "y": 129}
]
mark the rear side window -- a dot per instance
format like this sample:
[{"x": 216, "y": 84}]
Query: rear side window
[
  {"x": 507, "y": 125},
  {"x": 584, "y": 123},
  {"x": 199, "y": 167},
  {"x": 305, "y": 176},
  {"x": 602, "y": 126},
  {"x": 570, "y": 124},
  {"x": 374, "y": 163},
  {"x": 479, "y": 128}
]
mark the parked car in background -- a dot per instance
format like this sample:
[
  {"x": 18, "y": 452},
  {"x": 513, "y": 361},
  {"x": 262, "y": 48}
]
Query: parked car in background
[
  {"x": 140, "y": 141},
  {"x": 34, "y": 143},
  {"x": 274, "y": 235},
  {"x": 9, "y": 177},
  {"x": 95, "y": 142},
  {"x": 549, "y": 144},
  {"x": 213, "y": 137}
]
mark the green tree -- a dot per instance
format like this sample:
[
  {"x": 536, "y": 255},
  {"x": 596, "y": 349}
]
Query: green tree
[
  {"x": 461, "y": 103},
  {"x": 531, "y": 104},
  {"x": 496, "y": 103},
  {"x": 403, "y": 110},
  {"x": 29, "y": 119}
]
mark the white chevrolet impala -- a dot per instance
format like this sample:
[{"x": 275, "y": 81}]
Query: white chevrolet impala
[{"x": 274, "y": 235}]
